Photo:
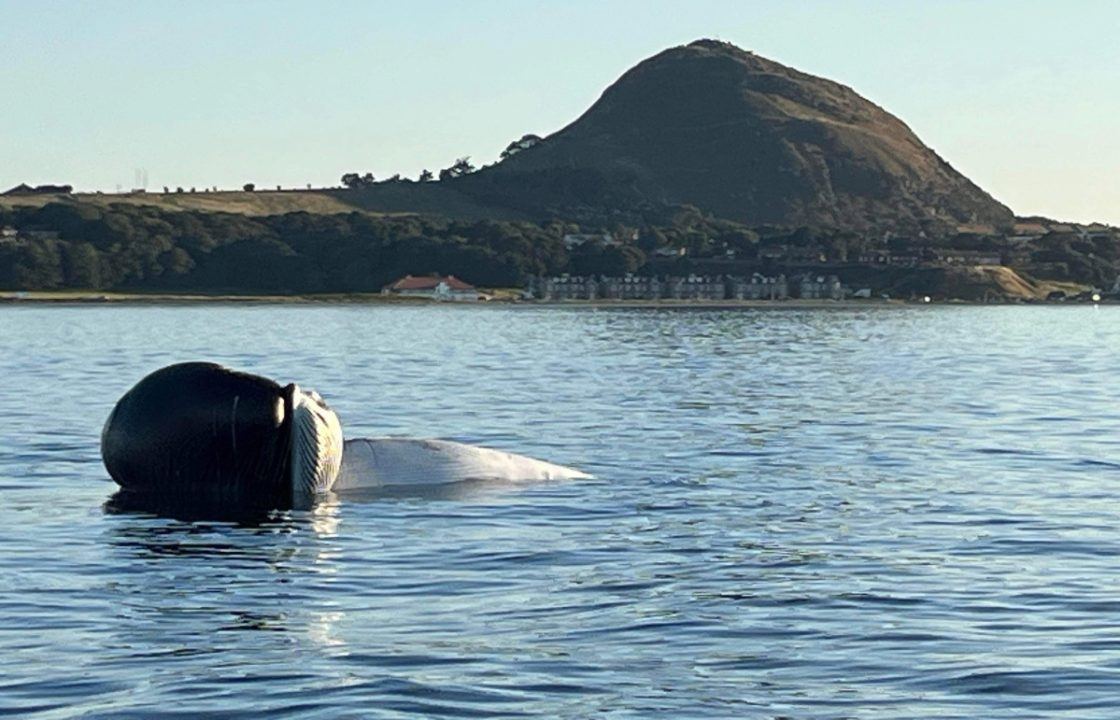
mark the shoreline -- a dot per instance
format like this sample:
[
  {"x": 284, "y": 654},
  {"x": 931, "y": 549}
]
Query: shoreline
[{"x": 16, "y": 298}]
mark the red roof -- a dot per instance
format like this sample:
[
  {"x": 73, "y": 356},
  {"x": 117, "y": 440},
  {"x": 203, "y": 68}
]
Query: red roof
[{"x": 429, "y": 282}]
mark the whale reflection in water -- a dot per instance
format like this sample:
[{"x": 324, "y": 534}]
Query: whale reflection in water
[{"x": 201, "y": 430}]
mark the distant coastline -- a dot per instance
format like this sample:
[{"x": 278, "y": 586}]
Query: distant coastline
[
  {"x": 676, "y": 184},
  {"x": 40, "y": 298}
]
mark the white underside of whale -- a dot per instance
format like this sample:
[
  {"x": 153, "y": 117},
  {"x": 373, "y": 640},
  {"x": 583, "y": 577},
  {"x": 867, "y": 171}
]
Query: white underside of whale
[{"x": 389, "y": 461}]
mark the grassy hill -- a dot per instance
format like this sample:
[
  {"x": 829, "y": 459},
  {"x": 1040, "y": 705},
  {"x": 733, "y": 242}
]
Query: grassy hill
[
  {"x": 707, "y": 124},
  {"x": 747, "y": 139},
  {"x": 381, "y": 199}
]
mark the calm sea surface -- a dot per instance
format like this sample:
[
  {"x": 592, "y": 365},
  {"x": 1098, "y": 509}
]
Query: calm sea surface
[{"x": 884, "y": 513}]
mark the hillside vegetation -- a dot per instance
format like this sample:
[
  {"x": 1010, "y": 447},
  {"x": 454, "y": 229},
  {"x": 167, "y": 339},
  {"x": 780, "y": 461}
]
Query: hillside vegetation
[
  {"x": 403, "y": 198},
  {"x": 747, "y": 139}
]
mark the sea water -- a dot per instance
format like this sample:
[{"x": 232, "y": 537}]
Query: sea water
[{"x": 848, "y": 513}]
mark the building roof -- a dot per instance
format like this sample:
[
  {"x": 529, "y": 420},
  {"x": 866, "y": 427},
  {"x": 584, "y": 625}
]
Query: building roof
[{"x": 429, "y": 282}]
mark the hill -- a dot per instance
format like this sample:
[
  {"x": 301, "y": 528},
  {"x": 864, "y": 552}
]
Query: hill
[
  {"x": 747, "y": 139},
  {"x": 707, "y": 124}
]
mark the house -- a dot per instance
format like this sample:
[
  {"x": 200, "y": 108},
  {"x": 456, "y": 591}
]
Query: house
[
  {"x": 697, "y": 287},
  {"x": 773, "y": 252},
  {"x": 433, "y": 287},
  {"x": 25, "y": 189},
  {"x": 759, "y": 287},
  {"x": 574, "y": 240},
  {"x": 630, "y": 287},
  {"x": 640, "y": 288},
  {"x": 874, "y": 257},
  {"x": 568, "y": 287},
  {"x": 968, "y": 257},
  {"x": 904, "y": 260},
  {"x": 820, "y": 288},
  {"x": 690, "y": 287}
]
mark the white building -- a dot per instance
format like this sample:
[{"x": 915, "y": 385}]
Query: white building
[
  {"x": 574, "y": 240},
  {"x": 821, "y": 288},
  {"x": 433, "y": 287},
  {"x": 760, "y": 287}
]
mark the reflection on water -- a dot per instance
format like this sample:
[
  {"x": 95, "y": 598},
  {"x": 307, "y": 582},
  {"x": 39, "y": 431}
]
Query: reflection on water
[
  {"x": 198, "y": 508},
  {"x": 897, "y": 514},
  {"x": 319, "y": 510}
]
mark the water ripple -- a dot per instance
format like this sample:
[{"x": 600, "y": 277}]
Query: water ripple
[{"x": 840, "y": 514}]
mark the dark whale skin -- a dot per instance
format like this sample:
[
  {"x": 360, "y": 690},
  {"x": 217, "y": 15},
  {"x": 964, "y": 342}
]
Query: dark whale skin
[{"x": 201, "y": 429}]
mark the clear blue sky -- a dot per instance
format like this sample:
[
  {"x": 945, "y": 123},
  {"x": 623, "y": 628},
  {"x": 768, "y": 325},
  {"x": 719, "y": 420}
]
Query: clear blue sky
[{"x": 1022, "y": 96}]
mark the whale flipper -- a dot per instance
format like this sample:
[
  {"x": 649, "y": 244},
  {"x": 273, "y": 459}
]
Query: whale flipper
[{"x": 382, "y": 462}]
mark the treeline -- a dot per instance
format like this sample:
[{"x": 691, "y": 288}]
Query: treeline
[
  {"x": 122, "y": 246},
  {"x": 76, "y": 245}
]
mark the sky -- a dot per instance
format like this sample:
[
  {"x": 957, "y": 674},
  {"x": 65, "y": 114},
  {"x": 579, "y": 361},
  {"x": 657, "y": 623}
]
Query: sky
[{"x": 1021, "y": 96}]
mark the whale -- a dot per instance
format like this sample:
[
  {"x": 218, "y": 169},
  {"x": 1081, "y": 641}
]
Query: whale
[
  {"x": 396, "y": 461},
  {"x": 198, "y": 429}
]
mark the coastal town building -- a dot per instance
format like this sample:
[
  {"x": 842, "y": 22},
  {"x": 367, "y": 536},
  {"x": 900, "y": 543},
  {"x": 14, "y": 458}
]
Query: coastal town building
[
  {"x": 759, "y": 287},
  {"x": 574, "y": 240},
  {"x": 697, "y": 287},
  {"x": 968, "y": 257},
  {"x": 566, "y": 287},
  {"x": 630, "y": 287},
  {"x": 642, "y": 287},
  {"x": 819, "y": 287},
  {"x": 433, "y": 287},
  {"x": 25, "y": 189}
]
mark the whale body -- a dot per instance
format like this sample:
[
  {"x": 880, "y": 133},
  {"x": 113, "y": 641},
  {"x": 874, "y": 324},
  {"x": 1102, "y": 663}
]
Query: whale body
[
  {"x": 391, "y": 461},
  {"x": 194, "y": 429}
]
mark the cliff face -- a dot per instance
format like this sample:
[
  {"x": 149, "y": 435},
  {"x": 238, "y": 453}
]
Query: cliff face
[{"x": 748, "y": 139}]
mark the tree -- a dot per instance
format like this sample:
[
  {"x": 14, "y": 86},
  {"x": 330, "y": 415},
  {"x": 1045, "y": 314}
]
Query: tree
[
  {"x": 426, "y": 175},
  {"x": 176, "y": 261},
  {"x": 523, "y": 143},
  {"x": 248, "y": 187},
  {"x": 81, "y": 265},
  {"x": 611, "y": 260},
  {"x": 354, "y": 180},
  {"x": 461, "y": 167}
]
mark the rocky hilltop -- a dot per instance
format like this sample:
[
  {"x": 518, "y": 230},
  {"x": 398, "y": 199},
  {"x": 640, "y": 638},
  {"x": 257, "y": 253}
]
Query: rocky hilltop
[{"x": 748, "y": 139}]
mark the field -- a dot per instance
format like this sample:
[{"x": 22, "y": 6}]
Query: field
[{"x": 382, "y": 199}]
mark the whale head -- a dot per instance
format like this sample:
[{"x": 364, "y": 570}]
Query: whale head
[{"x": 200, "y": 428}]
